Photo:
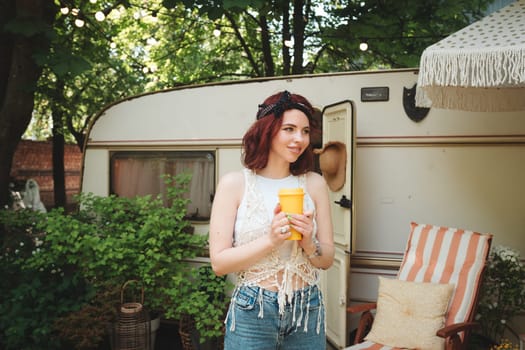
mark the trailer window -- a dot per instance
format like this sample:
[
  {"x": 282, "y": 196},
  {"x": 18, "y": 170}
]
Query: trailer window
[{"x": 138, "y": 173}]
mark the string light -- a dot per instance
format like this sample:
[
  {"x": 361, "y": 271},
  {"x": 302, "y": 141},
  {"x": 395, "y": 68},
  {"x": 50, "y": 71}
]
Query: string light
[
  {"x": 363, "y": 46},
  {"x": 100, "y": 16},
  {"x": 79, "y": 22},
  {"x": 289, "y": 42},
  {"x": 64, "y": 10},
  {"x": 217, "y": 31}
]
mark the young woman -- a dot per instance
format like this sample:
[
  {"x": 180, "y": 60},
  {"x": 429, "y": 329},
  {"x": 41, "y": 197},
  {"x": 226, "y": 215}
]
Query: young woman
[{"x": 277, "y": 302}]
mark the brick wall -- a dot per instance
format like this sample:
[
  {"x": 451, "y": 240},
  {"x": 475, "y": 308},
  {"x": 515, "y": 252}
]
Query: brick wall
[{"x": 34, "y": 159}]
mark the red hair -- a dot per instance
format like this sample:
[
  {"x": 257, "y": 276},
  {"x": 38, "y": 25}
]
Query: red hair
[{"x": 258, "y": 139}]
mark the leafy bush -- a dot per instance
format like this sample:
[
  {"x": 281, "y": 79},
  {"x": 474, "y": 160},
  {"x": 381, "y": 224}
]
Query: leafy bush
[
  {"x": 502, "y": 292},
  {"x": 74, "y": 269},
  {"x": 32, "y": 298}
]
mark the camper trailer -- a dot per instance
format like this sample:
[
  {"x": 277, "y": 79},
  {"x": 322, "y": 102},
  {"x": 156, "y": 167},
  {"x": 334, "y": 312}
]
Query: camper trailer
[{"x": 404, "y": 164}]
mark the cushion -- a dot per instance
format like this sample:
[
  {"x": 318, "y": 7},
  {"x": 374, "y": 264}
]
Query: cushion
[
  {"x": 447, "y": 255},
  {"x": 410, "y": 313}
]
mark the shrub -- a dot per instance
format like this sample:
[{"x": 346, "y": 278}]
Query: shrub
[
  {"x": 32, "y": 299},
  {"x": 110, "y": 240},
  {"x": 502, "y": 292}
]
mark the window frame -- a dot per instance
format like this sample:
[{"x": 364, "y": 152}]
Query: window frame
[{"x": 143, "y": 153}]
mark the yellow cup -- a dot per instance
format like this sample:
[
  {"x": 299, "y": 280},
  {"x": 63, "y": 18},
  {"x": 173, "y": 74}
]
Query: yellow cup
[{"x": 291, "y": 200}]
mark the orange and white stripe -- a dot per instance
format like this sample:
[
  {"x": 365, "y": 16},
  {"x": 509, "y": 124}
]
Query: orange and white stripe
[
  {"x": 368, "y": 345},
  {"x": 444, "y": 255},
  {"x": 447, "y": 255}
]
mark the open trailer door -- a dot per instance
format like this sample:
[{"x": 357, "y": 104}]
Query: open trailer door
[{"x": 339, "y": 133}]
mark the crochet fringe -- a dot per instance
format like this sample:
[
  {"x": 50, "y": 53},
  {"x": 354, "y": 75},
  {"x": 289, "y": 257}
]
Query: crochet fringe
[{"x": 474, "y": 80}]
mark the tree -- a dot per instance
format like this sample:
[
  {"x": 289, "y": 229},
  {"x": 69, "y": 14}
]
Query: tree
[
  {"x": 105, "y": 51},
  {"x": 26, "y": 29},
  {"x": 396, "y": 31}
]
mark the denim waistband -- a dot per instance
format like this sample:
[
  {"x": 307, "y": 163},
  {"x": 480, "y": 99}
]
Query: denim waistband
[
  {"x": 273, "y": 295},
  {"x": 296, "y": 304}
]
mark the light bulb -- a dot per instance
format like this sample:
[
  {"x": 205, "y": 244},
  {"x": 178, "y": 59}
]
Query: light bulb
[
  {"x": 100, "y": 16},
  {"x": 363, "y": 46},
  {"x": 79, "y": 22}
]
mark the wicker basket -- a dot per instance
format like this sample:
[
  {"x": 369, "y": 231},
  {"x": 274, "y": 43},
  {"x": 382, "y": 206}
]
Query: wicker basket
[
  {"x": 132, "y": 329},
  {"x": 188, "y": 334},
  {"x": 186, "y": 329}
]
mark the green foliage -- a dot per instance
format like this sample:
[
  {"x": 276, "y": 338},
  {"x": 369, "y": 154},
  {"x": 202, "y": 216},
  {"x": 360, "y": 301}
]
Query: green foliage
[
  {"x": 396, "y": 31},
  {"x": 27, "y": 27},
  {"x": 64, "y": 63},
  {"x": 32, "y": 298},
  {"x": 502, "y": 292},
  {"x": 79, "y": 261},
  {"x": 209, "y": 298}
]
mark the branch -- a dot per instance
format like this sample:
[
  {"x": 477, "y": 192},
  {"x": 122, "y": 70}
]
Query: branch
[{"x": 239, "y": 37}]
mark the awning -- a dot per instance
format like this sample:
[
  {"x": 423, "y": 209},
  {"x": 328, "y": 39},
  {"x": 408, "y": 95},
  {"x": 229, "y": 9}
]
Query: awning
[{"x": 479, "y": 68}]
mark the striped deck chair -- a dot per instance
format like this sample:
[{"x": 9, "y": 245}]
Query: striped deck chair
[{"x": 437, "y": 255}]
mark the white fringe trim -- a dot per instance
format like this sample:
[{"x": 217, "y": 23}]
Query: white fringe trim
[
  {"x": 477, "y": 99},
  {"x": 473, "y": 68},
  {"x": 472, "y": 80}
]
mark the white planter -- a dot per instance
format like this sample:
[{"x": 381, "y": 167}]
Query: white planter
[{"x": 154, "y": 324}]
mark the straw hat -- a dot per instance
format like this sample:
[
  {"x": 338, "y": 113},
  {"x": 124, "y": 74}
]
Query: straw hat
[{"x": 332, "y": 161}]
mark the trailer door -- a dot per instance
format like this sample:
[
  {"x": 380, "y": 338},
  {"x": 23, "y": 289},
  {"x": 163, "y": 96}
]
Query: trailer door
[{"x": 338, "y": 125}]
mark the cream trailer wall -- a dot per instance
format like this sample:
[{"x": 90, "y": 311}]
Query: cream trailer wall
[{"x": 453, "y": 168}]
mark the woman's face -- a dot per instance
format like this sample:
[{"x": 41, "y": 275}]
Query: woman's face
[{"x": 293, "y": 137}]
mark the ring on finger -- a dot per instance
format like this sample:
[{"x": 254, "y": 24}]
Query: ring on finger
[{"x": 283, "y": 230}]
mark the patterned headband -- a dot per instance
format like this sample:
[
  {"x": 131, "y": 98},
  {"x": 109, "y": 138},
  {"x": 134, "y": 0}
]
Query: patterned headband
[{"x": 285, "y": 103}]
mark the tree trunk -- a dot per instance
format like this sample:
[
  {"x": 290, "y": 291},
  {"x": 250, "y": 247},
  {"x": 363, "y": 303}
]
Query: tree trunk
[
  {"x": 19, "y": 80},
  {"x": 269, "y": 68},
  {"x": 244, "y": 45},
  {"x": 59, "y": 181},
  {"x": 287, "y": 35},
  {"x": 298, "y": 34}
]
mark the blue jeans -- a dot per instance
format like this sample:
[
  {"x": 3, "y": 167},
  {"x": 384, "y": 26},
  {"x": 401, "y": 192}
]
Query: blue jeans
[{"x": 253, "y": 330}]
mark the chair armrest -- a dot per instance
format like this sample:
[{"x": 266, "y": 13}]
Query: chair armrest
[
  {"x": 361, "y": 307},
  {"x": 366, "y": 320},
  {"x": 451, "y": 334},
  {"x": 452, "y": 329}
]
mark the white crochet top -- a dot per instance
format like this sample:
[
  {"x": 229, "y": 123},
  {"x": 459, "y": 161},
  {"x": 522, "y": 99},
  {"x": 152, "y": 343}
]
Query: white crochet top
[{"x": 254, "y": 220}]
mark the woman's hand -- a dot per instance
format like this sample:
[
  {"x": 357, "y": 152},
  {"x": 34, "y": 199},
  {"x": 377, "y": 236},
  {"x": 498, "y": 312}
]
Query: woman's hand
[
  {"x": 280, "y": 228},
  {"x": 304, "y": 224}
]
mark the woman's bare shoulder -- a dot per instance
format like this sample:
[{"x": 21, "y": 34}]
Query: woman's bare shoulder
[
  {"x": 232, "y": 180},
  {"x": 315, "y": 180}
]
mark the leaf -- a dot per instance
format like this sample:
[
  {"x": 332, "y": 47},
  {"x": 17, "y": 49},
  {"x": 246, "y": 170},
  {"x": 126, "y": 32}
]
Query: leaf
[
  {"x": 65, "y": 64},
  {"x": 27, "y": 27},
  {"x": 244, "y": 4},
  {"x": 169, "y": 3}
]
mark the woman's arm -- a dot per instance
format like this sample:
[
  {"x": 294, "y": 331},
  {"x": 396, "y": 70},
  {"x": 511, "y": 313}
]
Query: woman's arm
[{"x": 318, "y": 190}]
